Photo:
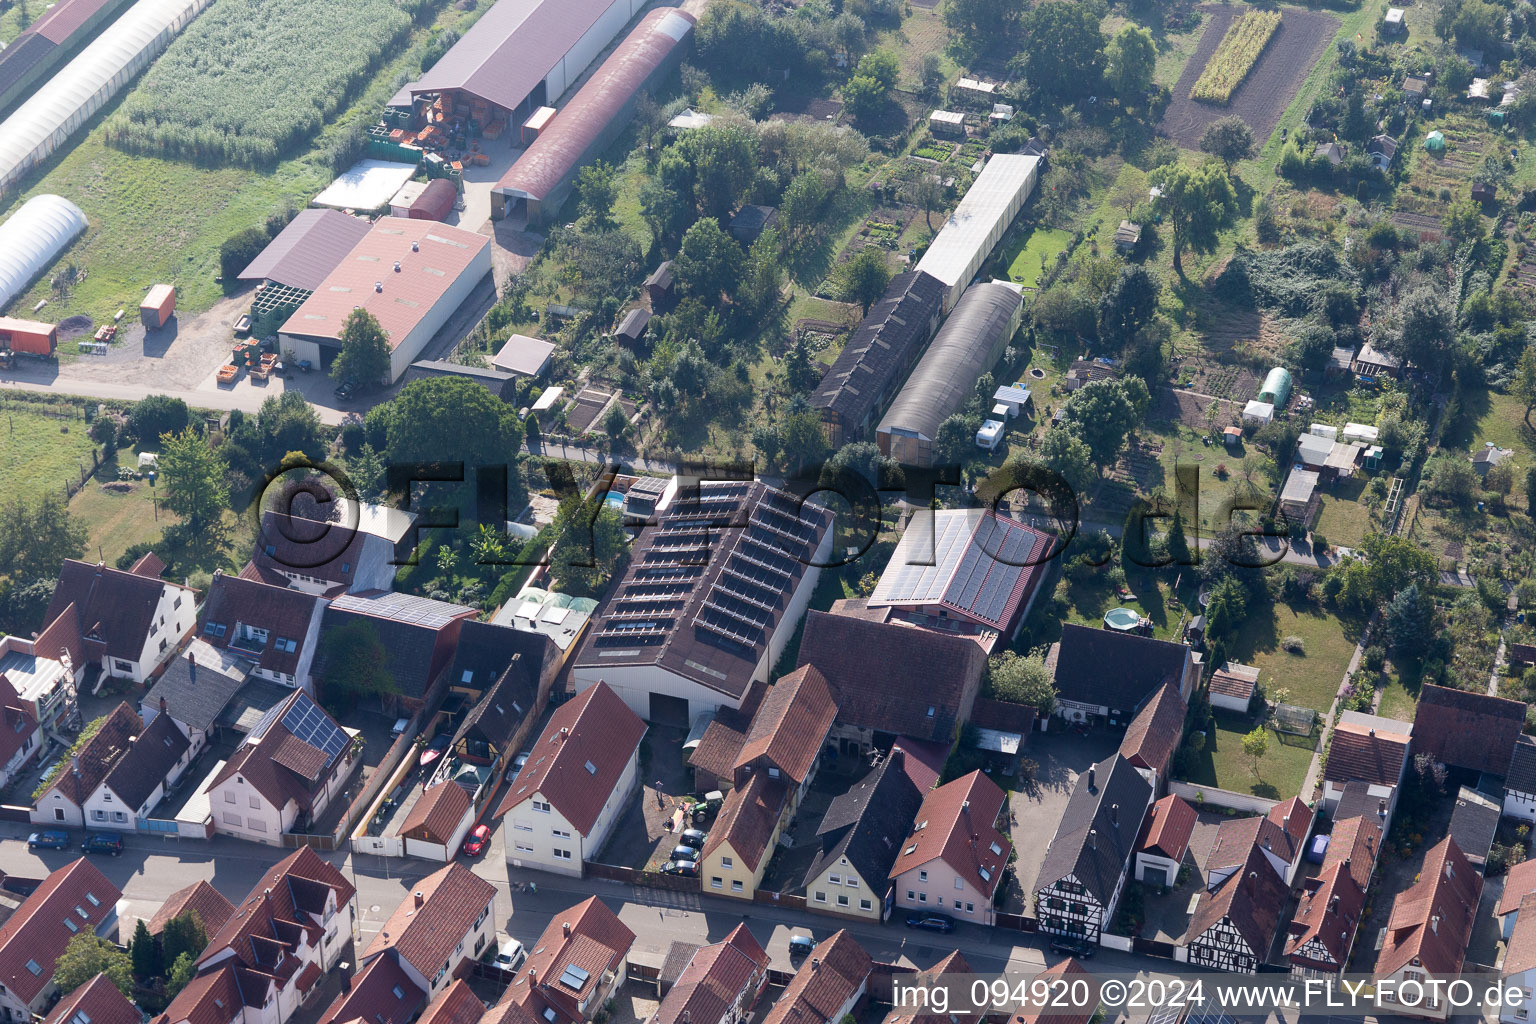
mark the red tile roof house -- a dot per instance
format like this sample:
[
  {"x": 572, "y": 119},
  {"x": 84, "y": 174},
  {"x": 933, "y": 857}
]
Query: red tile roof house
[
  {"x": 272, "y": 951},
  {"x": 443, "y": 926},
  {"x": 720, "y": 984},
  {"x": 130, "y": 622},
  {"x": 118, "y": 776},
  {"x": 438, "y": 822},
  {"x": 1281, "y": 835},
  {"x": 273, "y": 628},
  {"x": 580, "y": 777},
  {"x": 73, "y": 899},
  {"x": 1154, "y": 734},
  {"x": 200, "y": 898},
  {"x": 770, "y": 771},
  {"x": 952, "y": 861},
  {"x": 1519, "y": 966},
  {"x": 285, "y": 772},
  {"x": 830, "y": 983},
  {"x": 1428, "y": 932},
  {"x": 1369, "y": 750},
  {"x": 1475, "y": 731},
  {"x": 96, "y": 1002},
  {"x": 579, "y": 962},
  {"x": 1067, "y": 970},
  {"x": 954, "y": 963},
  {"x": 1323, "y": 930},
  {"x": 1235, "y": 923},
  {"x": 21, "y": 737},
  {"x": 1164, "y": 841},
  {"x": 1519, "y": 882},
  {"x": 381, "y": 993}
]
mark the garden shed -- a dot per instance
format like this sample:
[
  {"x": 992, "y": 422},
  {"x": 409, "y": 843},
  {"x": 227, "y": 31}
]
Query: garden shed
[
  {"x": 1435, "y": 142},
  {"x": 32, "y": 239}
]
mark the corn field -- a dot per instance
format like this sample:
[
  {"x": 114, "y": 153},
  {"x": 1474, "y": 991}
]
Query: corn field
[
  {"x": 251, "y": 80},
  {"x": 1235, "y": 57}
]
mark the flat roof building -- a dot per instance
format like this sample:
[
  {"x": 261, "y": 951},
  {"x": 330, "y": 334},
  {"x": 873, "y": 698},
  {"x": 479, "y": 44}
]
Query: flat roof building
[
  {"x": 538, "y": 184},
  {"x": 367, "y": 185},
  {"x": 525, "y": 356},
  {"x": 412, "y": 275},
  {"x": 979, "y": 222},
  {"x": 970, "y": 342}
]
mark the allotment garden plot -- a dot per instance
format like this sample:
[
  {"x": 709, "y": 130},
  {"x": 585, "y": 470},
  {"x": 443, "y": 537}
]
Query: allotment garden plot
[
  {"x": 1269, "y": 87},
  {"x": 251, "y": 79}
]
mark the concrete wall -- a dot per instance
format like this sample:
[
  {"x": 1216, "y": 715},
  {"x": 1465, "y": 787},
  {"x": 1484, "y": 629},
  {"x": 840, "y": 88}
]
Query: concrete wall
[{"x": 1220, "y": 797}]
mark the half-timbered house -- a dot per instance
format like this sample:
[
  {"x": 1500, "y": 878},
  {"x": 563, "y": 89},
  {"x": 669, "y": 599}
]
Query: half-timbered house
[{"x": 1234, "y": 926}]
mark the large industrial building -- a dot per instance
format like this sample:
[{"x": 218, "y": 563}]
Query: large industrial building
[
  {"x": 412, "y": 275},
  {"x": 971, "y": 341},
  {"x": 869, "y": 370},
  {"x": 45, "y": 44},
  {"x": 87, "y": 83},
  {"x": 32, "y": 239},
  {"x": 541, "y": 180},
  {"x": 980, "y": 221},
  {"x": 520, "y": 56},
  {"x": 712, "y": 594}
]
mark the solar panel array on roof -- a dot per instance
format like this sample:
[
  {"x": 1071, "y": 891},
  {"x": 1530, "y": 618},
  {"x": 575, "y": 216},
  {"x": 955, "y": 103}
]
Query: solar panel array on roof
[
  {"x": 307, "y": 722},
  {"x": 574, "y": 977},
  {"x": 407, "y": 608},
  {"x": 915, "y": 573},
  {"x": 979, "y": 561},
  {"x": 990, "y": 567}
]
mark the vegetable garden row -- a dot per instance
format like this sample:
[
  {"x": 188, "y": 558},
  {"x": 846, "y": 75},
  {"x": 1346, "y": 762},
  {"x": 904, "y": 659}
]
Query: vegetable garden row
[{"x": 1236, "y": 56}]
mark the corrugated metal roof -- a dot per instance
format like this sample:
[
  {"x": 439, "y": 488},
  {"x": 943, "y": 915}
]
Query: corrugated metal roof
[
  {"x": 975, "y": 220},
  {"x": 968, "y": 344},
  {"x": 553, "y": 158},
  {"x": 510, "y": 50},
  {"x": 61, "y": 21},
  {"x": 312, "y": 245}
]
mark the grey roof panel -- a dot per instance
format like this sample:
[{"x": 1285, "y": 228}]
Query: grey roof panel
[{"x": 312, "y": 245}]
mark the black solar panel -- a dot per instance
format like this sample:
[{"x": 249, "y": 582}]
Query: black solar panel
[{"x": 307, "y": 722}]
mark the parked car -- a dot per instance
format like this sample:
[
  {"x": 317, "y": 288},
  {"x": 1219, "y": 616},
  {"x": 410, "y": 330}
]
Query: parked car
[
  {"x": 103, "y": 842},
  {"x": 474, "y": 843},
  {"x": 346, "y": 389},
  {"x": 801, "y": 945},
  {"x": 1073, "y": 947},
  {"x": 511, "y": 955},
  {"x": 685, "y": 868},
  {"x": 52, "y": 839},
  {"x": 692, "y": 837},
  {"x": 931, "y": 922},
  {"x": 681, "y": 852},
  {"x": 519, "y": 762}
]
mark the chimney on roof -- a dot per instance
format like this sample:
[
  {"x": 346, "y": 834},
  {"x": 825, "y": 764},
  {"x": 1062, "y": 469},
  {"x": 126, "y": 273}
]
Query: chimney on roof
[
  {"x": 1091, "y": 774},
  {"x": 533, "y": 976},
  {"x": 397, "y": 266},
  {"x": 1114, "y": 815},
  {"x": 1093, "y": 839},
  {"x": 74, "y": 764},
  {"x": 1253, "y": 876},
  {"x": 1373, "y": 732},
  {"x": 162, "y": 705},
  {"x": 565, "y": 929},
  {"x": 1450, "y": 869},
  {"x": 816, "y": 964},
  {"x": 564, "y": 732},
  {"x": 378, "y": 286},
  {"x": 1333, "y": 905},
  {"x": 415, "y": 247},
  {"x": 1267, "y": 844},
  {"x": 1285, "y": 822},
  {"x": 420, "y": 899}
]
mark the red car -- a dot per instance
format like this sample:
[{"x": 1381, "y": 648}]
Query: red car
[{"x": 474, "y": 843}]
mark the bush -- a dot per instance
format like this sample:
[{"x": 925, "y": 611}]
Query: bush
[
  {"x": 1375, "y": 657},
  {"x": 240, "y": 249},
  {"x": 1294, "y": 645}
]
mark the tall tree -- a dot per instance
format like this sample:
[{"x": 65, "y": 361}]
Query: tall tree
[
  {"x": 724, "y": 160},
  {"x": 1127, "y": 305},
  {"x": 1410, "y": 622},
  {"x": 865, "y": 277},
  {"x": 1022, "y": 679},
  {"x": 1130, "y": 58},
  {"x": 709, "y": 265},
  {"x": 194, "y": 478},
  {"x": 1255, "y": 746},
  {"x": 590, "y": 546},
  {"x": 803, "y": 440},
  {"x": 145, "y": 953},
  {"x": 1199, "y": 202},
  {"x": 156, "y": 415},
  {"x": 183, "y": 933},
  {"x": 1104, "y": 412},
  {"x": 1062, "y": 55},
  {"x": 982, "y": 26},
  {"x": 354, "y": 664},
  {"x": 86, "y": 956},
  {"x": 1426, "y": 329},
  {"x": 36, "y": 536},
  {"x": 1228, "y": 139},
  {"x": 364, "y": 355},
  {"x": 1066, "y": 453},
  {"x": 448, "y": 419},
  {"x": 597, "y": 187}
]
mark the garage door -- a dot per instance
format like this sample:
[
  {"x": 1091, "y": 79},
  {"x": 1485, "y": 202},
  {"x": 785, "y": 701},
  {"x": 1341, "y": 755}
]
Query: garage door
[
  {"x": 1155, "y": 876},
  {"x": 668, "y": 710}
]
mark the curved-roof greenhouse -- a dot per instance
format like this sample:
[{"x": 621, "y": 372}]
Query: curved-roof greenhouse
[
  {"x": 85, "y": 84},
  {"x": 32, "y": 239}
]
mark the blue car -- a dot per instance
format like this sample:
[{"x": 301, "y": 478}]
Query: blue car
[
  {"x": 103, "y": 842},
  {"x": 53, "y": 839}
]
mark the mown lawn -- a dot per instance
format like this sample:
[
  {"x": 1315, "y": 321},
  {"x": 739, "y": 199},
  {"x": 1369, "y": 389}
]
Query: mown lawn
[
  {"x": 1025, "y": 265},
  {"x": 39, "y": 453},
  {"x": 1223, "y": 764},
  {"x": 118, "y": 514},
  {"x": 1399, "y": 698},
  {"x": 1312, "y": 677},
  {"x": 1342, "y": 519}
]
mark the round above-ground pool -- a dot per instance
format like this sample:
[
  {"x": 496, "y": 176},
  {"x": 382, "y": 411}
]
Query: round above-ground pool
[{"x": 1123, "y": 619}]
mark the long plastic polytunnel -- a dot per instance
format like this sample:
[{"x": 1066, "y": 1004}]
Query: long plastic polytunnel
[
  {"x": 32, "y": 239},
  {"x": 87, "y": 83}
]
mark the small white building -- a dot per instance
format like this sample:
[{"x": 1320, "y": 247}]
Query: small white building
[
  {"x": 947, "y": 123},
  {"x": 1015, "y": 398},
  {"x": 1165, "y": 841},
  {"x": 1259, "y": 412},
  {"x": 1232, "y": 686},
  {"x": 991, "y": 434}
]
